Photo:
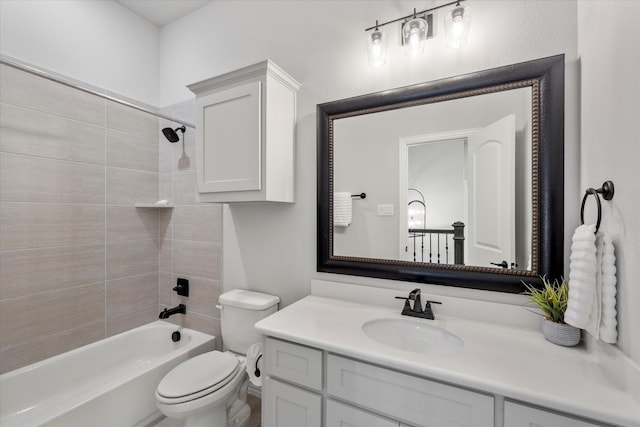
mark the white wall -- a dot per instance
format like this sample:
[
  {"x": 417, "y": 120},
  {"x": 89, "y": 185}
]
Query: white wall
[
  {"x": 97, "y": 42},
  {"x": 609, "y": 48},
  {"x": 272, "y": 248}
]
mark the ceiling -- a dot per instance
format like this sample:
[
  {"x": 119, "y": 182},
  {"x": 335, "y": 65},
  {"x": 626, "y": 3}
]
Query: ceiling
[{"x": 162, "y": 12}]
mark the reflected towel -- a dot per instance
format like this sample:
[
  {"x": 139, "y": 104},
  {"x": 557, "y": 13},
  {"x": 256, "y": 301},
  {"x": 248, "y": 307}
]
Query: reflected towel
[{"x": 341, "y": 209}]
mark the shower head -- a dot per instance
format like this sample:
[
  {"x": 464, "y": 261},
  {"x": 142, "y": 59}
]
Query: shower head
[{"x": 171, "y": 134}]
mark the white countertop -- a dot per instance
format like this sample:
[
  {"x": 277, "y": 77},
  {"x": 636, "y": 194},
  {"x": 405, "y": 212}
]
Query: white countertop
[{"x": 516, "y": 363}]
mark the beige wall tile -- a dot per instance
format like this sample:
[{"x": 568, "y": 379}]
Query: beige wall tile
[
  {"x": 200, "y": 222},
  {"x": 118, "y": 324},
  {"x": 34, "y": 351},
  {"x": 26, "y": 319},
  {"x": 27, "y": 90},
  {"x": 203, "y": 296},
  {"x": 184, "y": 187},
  {"x": 131, "y": 223},
  {"x": 165, "y": 256},
  {"x": 37, "y": 225},
  {"x": 131, "y": 258},
  {"x": 33, "y": 271},
  {"x": 37, "y": 179},
  {"x": 132, "y": 294},
  {"x": 32, "y": 132},
  {"x": 166, "y": 223},
  {"x": 129, "y": 151},
  {"x": 166, "y": 186},
  {"x": 197, "y": 259},
  {"x": 129, "y": 120},
  {"x": 165, "y": 289},
  {"x": 127, "y": 187}
]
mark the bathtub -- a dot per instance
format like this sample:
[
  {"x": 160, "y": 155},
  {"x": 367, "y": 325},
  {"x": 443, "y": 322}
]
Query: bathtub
[{"x": 108, "y": 383}]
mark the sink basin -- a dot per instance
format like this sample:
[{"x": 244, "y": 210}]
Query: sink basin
[{"x": 412, "y": 335}]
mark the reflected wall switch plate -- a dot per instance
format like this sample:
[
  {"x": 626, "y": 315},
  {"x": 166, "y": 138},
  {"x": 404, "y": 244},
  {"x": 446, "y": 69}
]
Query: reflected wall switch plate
[{"x": 385, "y": 210}]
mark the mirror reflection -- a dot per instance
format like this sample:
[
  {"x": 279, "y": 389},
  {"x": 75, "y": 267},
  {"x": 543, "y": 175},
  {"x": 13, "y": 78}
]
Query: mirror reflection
[{"x": 446, "y": 182}]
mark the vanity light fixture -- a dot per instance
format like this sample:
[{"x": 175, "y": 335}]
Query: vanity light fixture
[{"x": 416, "y": 28}]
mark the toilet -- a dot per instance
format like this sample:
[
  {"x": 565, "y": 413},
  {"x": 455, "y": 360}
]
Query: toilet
[{"x": 211, "y": 389}]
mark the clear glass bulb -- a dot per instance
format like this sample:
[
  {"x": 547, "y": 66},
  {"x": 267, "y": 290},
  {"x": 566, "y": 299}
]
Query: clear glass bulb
[
  {"x": 456, "y": 26},
  {"x": 377, "y": 43},
  {"x": 414, "y": 33}
]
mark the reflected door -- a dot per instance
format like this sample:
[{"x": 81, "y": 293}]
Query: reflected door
[{"x": 491, "y": 184}]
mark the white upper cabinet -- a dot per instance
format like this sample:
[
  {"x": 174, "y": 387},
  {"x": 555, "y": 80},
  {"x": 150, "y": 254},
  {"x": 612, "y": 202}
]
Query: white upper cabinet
[{"x": 245, "y": 148}]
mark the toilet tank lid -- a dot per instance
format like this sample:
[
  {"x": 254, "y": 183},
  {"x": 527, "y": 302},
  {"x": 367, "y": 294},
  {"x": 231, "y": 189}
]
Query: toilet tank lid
[{"x": 248, "y": 299}]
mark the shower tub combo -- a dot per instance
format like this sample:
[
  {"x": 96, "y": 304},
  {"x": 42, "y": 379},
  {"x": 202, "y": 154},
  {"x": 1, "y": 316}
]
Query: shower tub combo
[{"x": 111, "y": 382}]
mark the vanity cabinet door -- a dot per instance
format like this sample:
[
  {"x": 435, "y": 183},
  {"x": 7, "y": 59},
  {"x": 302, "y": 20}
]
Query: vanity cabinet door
[
  {"x": 294, "y": 363},
  {"x": 405, "y": 397},
  {"x": 288, "y": 406},
  {"x": 517, "y": 415},
  {"x": 341, "y": 415}
]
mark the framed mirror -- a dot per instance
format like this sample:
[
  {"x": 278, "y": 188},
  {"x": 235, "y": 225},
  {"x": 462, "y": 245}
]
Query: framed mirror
[{"x": 456, "y": 182}]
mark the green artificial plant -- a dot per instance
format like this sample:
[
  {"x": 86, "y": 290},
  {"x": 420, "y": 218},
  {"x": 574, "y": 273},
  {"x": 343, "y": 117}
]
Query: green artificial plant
[{"x": 552, "y": 299}]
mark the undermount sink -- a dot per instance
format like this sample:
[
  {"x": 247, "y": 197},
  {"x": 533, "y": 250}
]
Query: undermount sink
[{"x": 412, "y": 335}]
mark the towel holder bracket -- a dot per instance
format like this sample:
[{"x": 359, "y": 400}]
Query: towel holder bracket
[{"x": 606, "y": 190}]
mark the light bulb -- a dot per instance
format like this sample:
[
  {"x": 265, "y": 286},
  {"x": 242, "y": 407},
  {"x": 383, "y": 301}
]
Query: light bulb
[
  {"x": 414, "y": 33},
  {"x": 377, "y": 48},
  {"x": 456, "y": 26}
]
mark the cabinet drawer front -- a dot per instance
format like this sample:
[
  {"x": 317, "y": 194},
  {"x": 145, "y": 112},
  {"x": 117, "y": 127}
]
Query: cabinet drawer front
[
  {"x": 289, "y": 406},
  {"x": 405, "y": 397},
  {"x": 295, "y": 363},
  {"x": 340, "y": 415},
  {"x": 517, "y": 415}
]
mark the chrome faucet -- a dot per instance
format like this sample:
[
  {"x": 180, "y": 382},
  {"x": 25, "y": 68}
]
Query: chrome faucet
[
  {"x": 181, "y": 308},
  {"x": 416, "y": 310}
]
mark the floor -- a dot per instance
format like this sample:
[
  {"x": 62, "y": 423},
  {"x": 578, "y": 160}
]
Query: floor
[{"x": 254, "y": 421}]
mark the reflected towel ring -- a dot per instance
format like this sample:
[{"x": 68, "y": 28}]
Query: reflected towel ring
[{"x": 606, "y": 190}]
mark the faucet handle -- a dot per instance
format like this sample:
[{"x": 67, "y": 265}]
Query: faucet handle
[{"x": 407, "y": 305}]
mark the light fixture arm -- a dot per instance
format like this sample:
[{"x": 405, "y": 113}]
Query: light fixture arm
[{"x": 413, "y": 15}]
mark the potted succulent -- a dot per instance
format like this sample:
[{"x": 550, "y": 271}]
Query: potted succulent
[{"x": 552, "y": 300}]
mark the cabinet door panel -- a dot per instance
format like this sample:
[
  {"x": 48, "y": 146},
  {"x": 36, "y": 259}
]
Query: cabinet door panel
[
  {"x": 294, "y": 363},
  {"x": 341, "y": 415},
  {"x": 229, "y": 146},
  {"x": 288, "y": 406},
  {"x": 516, "y": 415},
  {"x": 406, "y": 397}
]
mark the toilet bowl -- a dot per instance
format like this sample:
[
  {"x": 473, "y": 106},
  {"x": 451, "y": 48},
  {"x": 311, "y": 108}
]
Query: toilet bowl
[
  {"x": 211, "y": 389},
  {"x": 202, "y": 390}
]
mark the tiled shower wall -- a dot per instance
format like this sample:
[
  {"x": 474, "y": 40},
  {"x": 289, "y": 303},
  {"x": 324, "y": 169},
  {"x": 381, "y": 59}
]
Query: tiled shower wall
[
  {"x": 191, "y": 233},
  {"x": 78, "y": 262}
]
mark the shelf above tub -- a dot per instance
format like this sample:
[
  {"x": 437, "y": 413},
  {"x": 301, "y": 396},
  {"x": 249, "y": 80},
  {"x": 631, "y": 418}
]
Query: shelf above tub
[{"x": 155, "y": 205}]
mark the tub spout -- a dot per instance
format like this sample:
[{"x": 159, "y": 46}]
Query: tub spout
[{"x": 181, "y": 308}]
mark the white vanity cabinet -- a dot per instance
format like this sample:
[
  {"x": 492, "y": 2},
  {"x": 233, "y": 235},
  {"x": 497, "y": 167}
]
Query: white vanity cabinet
[
  {"x": 359, "y": 394},
  {"x": 245, "y": 124},
  {"x": 519, "y": 415}
]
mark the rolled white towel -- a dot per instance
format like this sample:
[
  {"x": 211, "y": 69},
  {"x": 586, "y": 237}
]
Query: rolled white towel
[
  {"x": 582, "y": 277},
  {"x": 607, "y": 278}
]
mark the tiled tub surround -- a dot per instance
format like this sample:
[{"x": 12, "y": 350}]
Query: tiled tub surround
[
  {"x": 118, "y": 372},
  {"x": 78, "y": 262}
]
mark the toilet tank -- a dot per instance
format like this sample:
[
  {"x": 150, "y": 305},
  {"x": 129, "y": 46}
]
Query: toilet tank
[{"x": 239, "y": 311}]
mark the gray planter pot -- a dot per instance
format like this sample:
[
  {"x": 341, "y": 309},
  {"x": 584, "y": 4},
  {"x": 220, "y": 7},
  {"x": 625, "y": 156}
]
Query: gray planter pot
[{"x": 560, "y": 333}]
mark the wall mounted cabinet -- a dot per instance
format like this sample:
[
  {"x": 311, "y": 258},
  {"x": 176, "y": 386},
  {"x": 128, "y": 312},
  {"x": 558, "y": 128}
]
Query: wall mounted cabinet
[{"x": 245, "y": 148}]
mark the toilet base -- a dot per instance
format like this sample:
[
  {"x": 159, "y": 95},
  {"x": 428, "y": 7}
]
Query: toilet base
[{"x": 239, "y": 414}]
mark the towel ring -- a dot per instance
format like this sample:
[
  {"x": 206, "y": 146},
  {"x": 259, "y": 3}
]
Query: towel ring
[{"x": 606, "y": 190}]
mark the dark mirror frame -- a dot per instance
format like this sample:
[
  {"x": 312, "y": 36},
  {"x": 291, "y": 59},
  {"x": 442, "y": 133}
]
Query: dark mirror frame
[{"x": 546, "y": 78}]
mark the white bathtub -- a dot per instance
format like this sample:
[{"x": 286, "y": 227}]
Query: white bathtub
[{"x": 108, "y": 383}]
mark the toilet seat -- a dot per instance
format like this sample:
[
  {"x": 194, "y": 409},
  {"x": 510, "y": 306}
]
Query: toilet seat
[{"x": 198, "y": 377}]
